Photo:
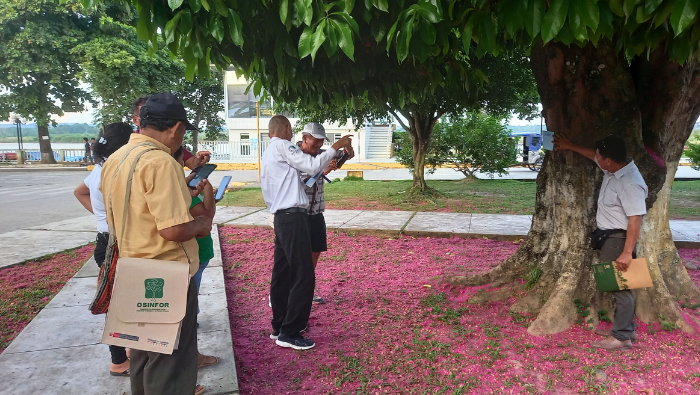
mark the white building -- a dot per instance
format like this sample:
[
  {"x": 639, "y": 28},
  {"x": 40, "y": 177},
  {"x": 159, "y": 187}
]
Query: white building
[{"x": 371, "y": 142}]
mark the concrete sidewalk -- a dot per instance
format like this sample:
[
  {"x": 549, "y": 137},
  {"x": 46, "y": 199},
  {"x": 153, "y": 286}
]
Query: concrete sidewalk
[
  {"x": 686, "y": 234},
  {"x": 59, "y": 352}
]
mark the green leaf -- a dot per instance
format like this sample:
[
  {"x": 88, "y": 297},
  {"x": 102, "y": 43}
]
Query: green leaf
[
  {"x": 235, "y": 28},
  {"x": 578, "y": 28},
  {"x": 345, "y": 40},
  {"x": 189, "y": 71},
  {"x": 467, "y": 36},
  {"x": 331, "y": 43},
  {"x": 216, "y": 27},
  {"x": 206, "y": 6},
  {"x": 349, "y": 5},
  {"x": 171, "y": 29},
  {"x": 403, "y": 39},
  {"x": 174, "y": 4},
  {"x": 379, "y": 30},
  {"x": 605, "y": 26},
  {"x": 317, "y": 39},
  {"x": 684, "y": 11},
  {"x": 589, "y": 12},
  {"x": 533, "y": 17},
  {"x": 429, "y": 12},
  {"x": 427, "y": 32},
  {"x": 642, "y": 15},
  {"x": 284, "y": 10},
  {"x": 305, "y": 42},
  {"x": 487, "y": 33},
  {"x": 195, "y": 5},
  {"x": 514, "y": 15},
  {"x": 382, "y": 5},
  {"x": 143, "y": 25},
  {"x": 663, "y": 13},
  {"x": 185, "y": 21},
  {"x": 616, "y": 7},
  {"x": 351, "y": 22},
  {"x": 390, "y": 35},
  {"x": 221, "y": 8},
  {"x": 419, "y": 49},
  {"x": 628, "y": 7},
  {"x": 566, "y": 35},
  {"x": 651, "y": 5},
  {"x": 554, "y": 19},
  {"x": 257, "y": 88}
]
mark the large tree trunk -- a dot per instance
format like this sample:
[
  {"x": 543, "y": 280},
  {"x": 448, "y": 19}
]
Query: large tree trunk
[
  {"x": 45, "y": 143},
  {"x": 198, "y": 119},
  {"x": 588, "y": 93},
  {"x": 421, "y": 127}
]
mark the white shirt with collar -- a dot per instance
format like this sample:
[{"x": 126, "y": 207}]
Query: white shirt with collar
[
  {"x": 622, "y": 195},
  {"x": 280, "y": 182}
]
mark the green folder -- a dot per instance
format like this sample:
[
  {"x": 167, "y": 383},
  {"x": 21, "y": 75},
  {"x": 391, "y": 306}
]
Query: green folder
[{"x": 609, "y": 279}]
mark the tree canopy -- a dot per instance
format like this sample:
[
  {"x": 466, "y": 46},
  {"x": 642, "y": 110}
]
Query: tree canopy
[
  {"x": 364, "y": 43},
  {"x": 38, "y": 73},
  {"x": 119, "y": 69}
]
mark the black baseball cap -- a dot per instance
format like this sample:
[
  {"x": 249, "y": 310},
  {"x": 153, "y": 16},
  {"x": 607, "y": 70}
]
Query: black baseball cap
[{"x": 165, "y": 106}]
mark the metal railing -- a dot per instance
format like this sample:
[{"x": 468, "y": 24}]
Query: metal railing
[
  {"x": 233, "y": 150},
  {"x": 34, "y": 155}
]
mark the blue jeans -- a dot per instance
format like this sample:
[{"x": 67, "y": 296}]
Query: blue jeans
[{"x": 198, "y": 278}]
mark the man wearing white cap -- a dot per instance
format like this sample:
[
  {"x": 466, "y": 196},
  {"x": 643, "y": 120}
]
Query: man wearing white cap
[
  {"x": 313, "y": 137},
  {"x": 293, "y": 279}
]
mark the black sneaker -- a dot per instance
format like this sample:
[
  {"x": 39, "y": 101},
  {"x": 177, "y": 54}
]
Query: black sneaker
[
  {"x": 274, "y": 335},
  {"x": 297, "y": 343},
  {"x": 318, "y": 299}
]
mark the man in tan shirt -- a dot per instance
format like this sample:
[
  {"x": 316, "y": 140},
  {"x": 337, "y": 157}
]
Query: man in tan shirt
[{"x": 158, "y": 225}]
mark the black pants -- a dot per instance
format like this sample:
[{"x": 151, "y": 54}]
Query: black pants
[
  {"x": 118, "y": 353},
  {"x": 293, "y": 278},
  {"x": 623, "y": 322},
  {"x": 158, "y": 374}
]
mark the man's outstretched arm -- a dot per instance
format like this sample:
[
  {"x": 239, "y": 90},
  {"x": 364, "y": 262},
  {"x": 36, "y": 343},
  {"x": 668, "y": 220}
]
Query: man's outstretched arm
[{"x": 562, "y": 143}]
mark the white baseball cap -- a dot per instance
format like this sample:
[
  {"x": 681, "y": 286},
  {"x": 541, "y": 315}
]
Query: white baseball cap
[{"x": 315, "y": 130}]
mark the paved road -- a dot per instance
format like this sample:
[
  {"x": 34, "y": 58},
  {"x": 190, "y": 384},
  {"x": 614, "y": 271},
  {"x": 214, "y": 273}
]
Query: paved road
[{"x": 37, "y": 198}]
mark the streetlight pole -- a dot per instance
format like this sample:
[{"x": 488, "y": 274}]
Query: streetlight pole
[
  {"x": 18, "y": 122},
  {"x": 257, "y": 115}
]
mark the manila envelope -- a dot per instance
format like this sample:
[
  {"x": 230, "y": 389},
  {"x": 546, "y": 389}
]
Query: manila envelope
[
  {"x": 609, "y": 279},
  {"x": 148, "y": 305}
]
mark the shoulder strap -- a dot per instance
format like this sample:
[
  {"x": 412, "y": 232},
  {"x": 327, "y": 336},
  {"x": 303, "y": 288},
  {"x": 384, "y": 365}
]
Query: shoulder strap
[{"x": 110, "y": 213}]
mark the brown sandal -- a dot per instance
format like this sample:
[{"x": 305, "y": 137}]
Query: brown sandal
[{"x": 207, "y": 360}]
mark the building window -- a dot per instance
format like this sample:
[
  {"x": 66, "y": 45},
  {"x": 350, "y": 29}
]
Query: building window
[
  {"x": 333, "y": 137},
  {"x": 242, "y": 104},
  {"x": 245, "y": 136}
]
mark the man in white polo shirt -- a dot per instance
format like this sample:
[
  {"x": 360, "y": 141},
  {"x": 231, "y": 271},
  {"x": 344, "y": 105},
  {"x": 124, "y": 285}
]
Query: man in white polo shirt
[
  {"x": 293, "y": 278},
  {"x": 621, "y": 205}
]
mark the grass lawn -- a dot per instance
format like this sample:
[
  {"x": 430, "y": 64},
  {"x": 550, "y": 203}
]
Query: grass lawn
[
  {"x": 389, "y": 325},
  {"x": 475, "y": 196},
  {"x": 25, "y": 289}
]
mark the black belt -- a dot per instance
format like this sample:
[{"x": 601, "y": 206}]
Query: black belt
[{"x": 291, "y": 210}]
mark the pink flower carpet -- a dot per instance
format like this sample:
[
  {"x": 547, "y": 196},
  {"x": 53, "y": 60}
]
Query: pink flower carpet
[{"x": 390, "y": 326}]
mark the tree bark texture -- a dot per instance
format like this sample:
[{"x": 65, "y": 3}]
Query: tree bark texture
[
  {"x": 588, "y": 93},
  {"x": 198, "y": 119},
  {"x": 45, "y": 144},
  {"x": 421, "y": 127}
]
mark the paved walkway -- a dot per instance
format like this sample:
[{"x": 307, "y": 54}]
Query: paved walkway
[
  {"x": 59, "y": 351},
  {"x": 495, "y": 226}
]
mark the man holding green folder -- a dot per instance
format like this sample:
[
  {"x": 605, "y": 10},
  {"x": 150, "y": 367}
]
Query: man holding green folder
[{"x": 621, "y": 205}]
